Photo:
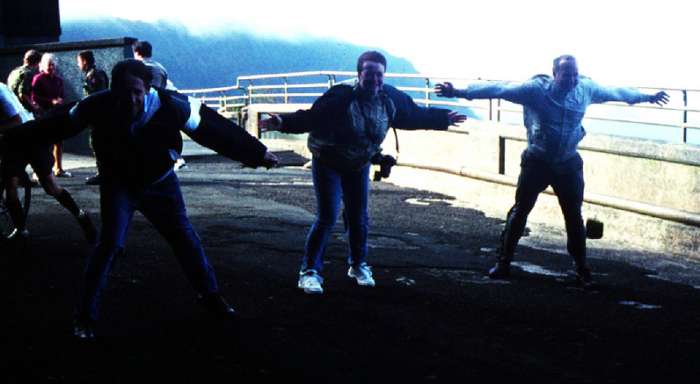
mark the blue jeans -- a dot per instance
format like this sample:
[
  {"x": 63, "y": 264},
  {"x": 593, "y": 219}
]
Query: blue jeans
[
  {"x": 162, "y": 204},
  {"x": 331, "y": 186},
  {"x": 566, "y": 179}
]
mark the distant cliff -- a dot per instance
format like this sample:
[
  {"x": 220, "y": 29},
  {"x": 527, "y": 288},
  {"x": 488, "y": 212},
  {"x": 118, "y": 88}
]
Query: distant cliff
[{"x": 215, "y": 60}]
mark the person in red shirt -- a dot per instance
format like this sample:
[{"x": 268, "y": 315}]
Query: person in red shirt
[{"x": 47, "y": 93}]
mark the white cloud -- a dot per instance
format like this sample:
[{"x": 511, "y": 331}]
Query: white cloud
[{"x": 624, "y": 41}]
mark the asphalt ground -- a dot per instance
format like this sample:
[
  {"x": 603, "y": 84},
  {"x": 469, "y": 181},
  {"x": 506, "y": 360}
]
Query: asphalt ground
[{"x": 433, "y": 316}]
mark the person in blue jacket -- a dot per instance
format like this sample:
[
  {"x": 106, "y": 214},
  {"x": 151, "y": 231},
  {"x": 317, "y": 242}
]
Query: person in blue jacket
[
  {"x": 553, "y": 108},
  {"x": 347, "y": 126}
]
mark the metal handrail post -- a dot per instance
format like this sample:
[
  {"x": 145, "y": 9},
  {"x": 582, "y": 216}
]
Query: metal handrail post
[
  {"x": 427, "y": 92},
  {"x": 501, "y": 155},
  {"x": 498, "y": 110},
  {"x": 286, "y": 95},
  {"x": 685, "y": 116}
]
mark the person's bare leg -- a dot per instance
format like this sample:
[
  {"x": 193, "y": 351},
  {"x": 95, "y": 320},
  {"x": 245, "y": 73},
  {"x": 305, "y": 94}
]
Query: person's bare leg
[{"x": 58, "y": 158}]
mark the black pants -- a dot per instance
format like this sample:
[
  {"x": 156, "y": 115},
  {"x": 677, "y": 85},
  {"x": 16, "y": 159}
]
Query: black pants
[{"x": 566, "y": 178}]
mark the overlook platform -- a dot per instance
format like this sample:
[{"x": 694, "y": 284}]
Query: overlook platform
[{"x": 433, "y": 316}]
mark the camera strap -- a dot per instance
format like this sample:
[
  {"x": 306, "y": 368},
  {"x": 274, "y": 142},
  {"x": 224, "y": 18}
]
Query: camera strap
[{"x": 396, "y": 141}]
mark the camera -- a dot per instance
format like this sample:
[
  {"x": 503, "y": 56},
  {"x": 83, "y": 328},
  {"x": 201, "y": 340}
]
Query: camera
[
  {"x": 594, "y": 229},
  {"x": 385, "y": 163}
]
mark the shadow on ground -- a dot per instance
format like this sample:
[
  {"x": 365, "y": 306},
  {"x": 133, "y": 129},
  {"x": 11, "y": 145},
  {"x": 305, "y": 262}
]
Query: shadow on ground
[{"x": 433, "y": 316}]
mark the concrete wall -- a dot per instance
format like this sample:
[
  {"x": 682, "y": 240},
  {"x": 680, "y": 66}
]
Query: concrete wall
[
  {"x": 657, "y": 174},
  {"x": 107, "y": 53},
  {"x": 666, "y": 175}
]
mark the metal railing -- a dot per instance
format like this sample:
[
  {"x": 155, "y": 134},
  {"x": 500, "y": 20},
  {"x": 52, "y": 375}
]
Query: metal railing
[
  {"x": 304, "y": 87},
  {"x": 307, "y": 86}
]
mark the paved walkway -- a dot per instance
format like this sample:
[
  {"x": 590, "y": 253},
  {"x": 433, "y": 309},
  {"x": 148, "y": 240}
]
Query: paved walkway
[{"x": 433, "y": 317}]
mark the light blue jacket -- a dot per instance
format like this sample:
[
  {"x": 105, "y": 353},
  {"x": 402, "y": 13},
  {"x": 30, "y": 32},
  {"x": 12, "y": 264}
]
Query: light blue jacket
[{"x": 553, "y": 119}]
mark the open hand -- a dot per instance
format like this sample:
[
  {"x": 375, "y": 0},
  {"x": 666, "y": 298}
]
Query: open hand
[
  {"x": 659, "y": 98},
  {"x": 456, "y": 118},
  {"x": 270, "y": 160},
  {"x": 445, "y": 90},
  {"x": 273, "y": 123}
]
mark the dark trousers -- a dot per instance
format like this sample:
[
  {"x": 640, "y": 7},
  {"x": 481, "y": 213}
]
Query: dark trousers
[
  {"x": 331, "y": 186},
  {"x": 162, "y": 204},
  {"x": 91, "y": 141},
  {"x": 536, "y": 175}
]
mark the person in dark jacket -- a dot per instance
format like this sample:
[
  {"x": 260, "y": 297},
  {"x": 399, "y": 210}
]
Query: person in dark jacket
[
  {"x": 137, "y": 132},
  {"x": 94, "y": 80},
  {"x": 347, "y": 126}
]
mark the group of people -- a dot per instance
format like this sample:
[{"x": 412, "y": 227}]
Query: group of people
[
  {"x": 347, "y": 125},
  {"x": 36, "y": 90},
  {"x": 39, "y": 89},
  {"x": 136, "y": 131}
]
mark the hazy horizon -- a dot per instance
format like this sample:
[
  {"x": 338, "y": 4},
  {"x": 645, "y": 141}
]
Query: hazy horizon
[{"x": 622, "y": 42}]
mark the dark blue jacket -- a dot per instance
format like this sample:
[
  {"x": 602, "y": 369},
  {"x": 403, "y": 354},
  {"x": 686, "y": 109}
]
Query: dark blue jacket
[{"x": 329, "y": 122}]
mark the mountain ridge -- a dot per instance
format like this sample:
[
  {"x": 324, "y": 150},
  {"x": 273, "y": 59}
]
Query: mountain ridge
[{"x": 216, "y": 59}]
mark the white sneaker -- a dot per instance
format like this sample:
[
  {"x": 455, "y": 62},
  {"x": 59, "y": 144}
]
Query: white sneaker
[
  {"x": 24, "y": 234},
  {"x": 363, "y": 275},
  {"x": 310, "y": 281},
  {"x": 180, "y": 164}
]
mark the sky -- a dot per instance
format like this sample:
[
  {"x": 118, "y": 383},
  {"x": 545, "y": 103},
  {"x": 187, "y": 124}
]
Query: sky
[{"x": 617, "y": 42}]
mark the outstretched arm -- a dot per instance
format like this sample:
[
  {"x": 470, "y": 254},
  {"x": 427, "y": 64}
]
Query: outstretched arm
[
  {"x": 59, "y": 124},
  {"x": 518, "y": 93},
  {"x": 228, "y": 139},
  {"x": 600, "y": 94},
  {"x": 411, "y": 116},
  {"x": 326, "y": 109}
]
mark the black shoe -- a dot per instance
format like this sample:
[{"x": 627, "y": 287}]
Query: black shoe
[
  {"x": 87, "y": 226},
  {"x": 84, "y": 329},
  {"x": 216, "y": 305},
  {"x": 584, "y": 277},
  {"x": 96, "y": 179},
  {"x": 499, "y": 271}
]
